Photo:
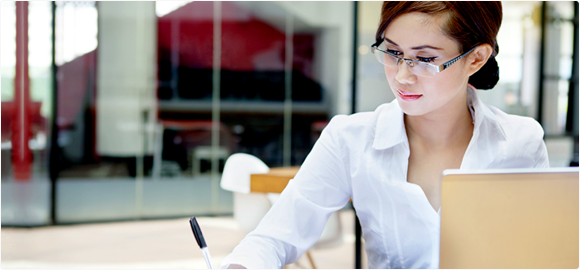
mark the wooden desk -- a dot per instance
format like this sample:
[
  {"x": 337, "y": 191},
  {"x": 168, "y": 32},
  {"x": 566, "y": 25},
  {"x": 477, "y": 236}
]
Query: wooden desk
[
  {"x": 277, "y": 179},
  {"x": 274, "y": 181}
]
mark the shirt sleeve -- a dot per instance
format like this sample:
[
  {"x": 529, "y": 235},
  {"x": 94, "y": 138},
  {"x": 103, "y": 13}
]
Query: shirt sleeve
[
  {"x": 541, "y": 154},
  {"x": 297, "y": 219}
]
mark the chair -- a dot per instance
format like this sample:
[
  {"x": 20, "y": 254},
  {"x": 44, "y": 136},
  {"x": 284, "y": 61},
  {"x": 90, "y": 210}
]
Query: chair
[
  {"x": 197, "y": 137},
  {"x": 250, "y": 208},
  {"x": 204, "y": 153}
]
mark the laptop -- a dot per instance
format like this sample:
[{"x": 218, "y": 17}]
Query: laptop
[{"x": 509, "y": 218}]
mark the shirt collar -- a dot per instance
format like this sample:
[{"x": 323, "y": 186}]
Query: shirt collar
[{"x": 390, "y": 127}]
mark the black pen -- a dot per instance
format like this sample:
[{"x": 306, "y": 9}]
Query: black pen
[{"x": 200, "y": 241}]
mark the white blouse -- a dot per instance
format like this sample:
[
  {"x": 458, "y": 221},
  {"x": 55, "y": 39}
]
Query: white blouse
[{"x": 364, "y": 156}]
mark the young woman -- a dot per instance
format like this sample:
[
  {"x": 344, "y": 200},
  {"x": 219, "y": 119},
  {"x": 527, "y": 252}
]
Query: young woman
[{"x": 389, "y": 161}]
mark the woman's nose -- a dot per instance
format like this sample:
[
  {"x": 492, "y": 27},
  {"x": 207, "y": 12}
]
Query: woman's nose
[{"x": 404, "y": 74}]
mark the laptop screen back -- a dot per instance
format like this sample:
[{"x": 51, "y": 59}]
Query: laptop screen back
[{"x": 510, "y": 219}]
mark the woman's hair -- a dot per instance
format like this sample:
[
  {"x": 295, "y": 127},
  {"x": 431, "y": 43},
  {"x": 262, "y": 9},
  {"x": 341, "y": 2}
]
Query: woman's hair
[{"x": 470, "y": 23}]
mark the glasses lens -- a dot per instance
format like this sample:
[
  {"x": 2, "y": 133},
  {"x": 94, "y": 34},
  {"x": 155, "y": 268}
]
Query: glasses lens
[
  {"x": 385, "y": 58},
  {"x": 423, "y": 69},
  {"x": 417, "y": 67}
]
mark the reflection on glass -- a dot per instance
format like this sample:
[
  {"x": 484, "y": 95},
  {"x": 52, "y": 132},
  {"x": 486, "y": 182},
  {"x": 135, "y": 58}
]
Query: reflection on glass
[
  {"x": 253, "y": 56},
  {"x": 252, "y": 73},
  {"x": 77, "y": 29},
  {"x": 39, "y": 71},
  {"x": 157, "y": 84},
  {"x": 558, "y": 65},
  {"x": 8, "y": 53},
  {"x": 76, "y": 42}
]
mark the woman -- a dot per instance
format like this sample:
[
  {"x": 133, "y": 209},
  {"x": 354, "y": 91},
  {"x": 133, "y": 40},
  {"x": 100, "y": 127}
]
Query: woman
[{"x": 389, "y": 161}]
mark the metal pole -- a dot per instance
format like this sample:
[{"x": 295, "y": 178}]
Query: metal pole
[
  {"x": 139, "y": 158},
  {"x": 354, "y": 56},
  {"x": 287, "y": 137},
  {"x": 53, "y": 161},
  {"x": 215, "y": 112},
  {"x": 358, "y": 229},
  {"x": 175, "y": 29},
  {"x": 572, "y": 114},
  {"x": 542, "y": 56},
  {"x": 358, "y": 243}
]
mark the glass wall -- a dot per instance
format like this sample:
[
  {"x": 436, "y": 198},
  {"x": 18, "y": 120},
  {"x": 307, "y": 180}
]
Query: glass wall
[
  {"x": 558, "y": 88},
  {"x": 39, "y": 81},
  {"x": 26, "y": 111},
  {"x": 153, "y": 97}
]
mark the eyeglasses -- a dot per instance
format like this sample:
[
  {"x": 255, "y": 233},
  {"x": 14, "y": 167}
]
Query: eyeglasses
[{"x": 418, "y": 67}]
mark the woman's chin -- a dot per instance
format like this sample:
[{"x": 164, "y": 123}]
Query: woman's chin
[{"x": 413, "y": 109}]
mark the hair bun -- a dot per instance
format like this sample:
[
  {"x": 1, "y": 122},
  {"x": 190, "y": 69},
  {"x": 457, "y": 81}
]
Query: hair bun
[{"x": 487, "y": 76}]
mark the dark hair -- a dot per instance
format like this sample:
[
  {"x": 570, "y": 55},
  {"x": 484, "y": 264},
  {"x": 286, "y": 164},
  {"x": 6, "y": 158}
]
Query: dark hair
[{"x": 470, "y": 23}]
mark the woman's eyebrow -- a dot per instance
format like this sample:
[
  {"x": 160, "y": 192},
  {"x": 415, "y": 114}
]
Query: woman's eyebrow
[
  {"x": 417, "y": 47},
  {"x": 390, "y": 41},
  {"x": 426, "y": 47}
]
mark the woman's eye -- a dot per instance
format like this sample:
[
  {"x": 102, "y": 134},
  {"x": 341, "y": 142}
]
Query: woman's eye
[
  {"x": 426, "y": 59},
  {"x": 394, "y": 52}
]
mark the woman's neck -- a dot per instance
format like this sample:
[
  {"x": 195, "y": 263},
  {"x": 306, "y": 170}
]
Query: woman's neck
[{"x": 447, "y": 127}]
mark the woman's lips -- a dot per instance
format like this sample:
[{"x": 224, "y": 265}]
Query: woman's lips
[{"x": 408, "y": 96}]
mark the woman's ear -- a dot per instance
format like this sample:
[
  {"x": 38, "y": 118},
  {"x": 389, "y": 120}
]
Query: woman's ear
[{"x": 479, "y": 57}]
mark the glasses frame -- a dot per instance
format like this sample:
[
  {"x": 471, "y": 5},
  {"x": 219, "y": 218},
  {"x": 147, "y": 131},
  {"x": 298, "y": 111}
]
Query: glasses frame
[{"x": 412, "y": 62}]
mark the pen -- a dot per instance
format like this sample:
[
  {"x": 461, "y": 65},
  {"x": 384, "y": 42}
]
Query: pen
[{"x": 200, "y": 241}]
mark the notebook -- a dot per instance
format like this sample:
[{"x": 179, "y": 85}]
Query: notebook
[{"x": 509, "y": 218}]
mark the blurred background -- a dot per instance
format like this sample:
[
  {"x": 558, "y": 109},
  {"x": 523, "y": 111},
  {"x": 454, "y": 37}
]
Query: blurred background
[{"x": 117, "y": 111}]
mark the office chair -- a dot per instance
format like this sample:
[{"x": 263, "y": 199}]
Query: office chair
[{"x": 250, "y": 208}]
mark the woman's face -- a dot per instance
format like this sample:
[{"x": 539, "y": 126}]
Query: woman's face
[{"x": 419, "y": 36}]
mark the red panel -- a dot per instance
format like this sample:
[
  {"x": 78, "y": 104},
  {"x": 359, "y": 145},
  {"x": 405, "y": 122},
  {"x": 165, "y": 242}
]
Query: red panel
[
  {"x": 75, "y": 78},
  {"x": 247, "y": 43}
]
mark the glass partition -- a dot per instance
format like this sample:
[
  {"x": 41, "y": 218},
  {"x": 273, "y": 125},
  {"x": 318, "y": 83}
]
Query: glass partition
[
  {"x": 26, "y": 111},
  {"x": 153, "y": 97}
]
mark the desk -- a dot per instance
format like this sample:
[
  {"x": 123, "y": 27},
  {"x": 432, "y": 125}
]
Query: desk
[{"x": 276, "y": 180}]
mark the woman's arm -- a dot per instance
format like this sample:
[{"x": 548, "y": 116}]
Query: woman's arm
[{"x": 296, "y": 220}]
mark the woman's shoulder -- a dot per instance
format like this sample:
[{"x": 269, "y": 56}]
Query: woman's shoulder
[
  {"x": 362, "y": 124},
  {"x": 516, "y": 126},
  {"x": 361, "y": 119},
  {"x": 523, "y": 142}
]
